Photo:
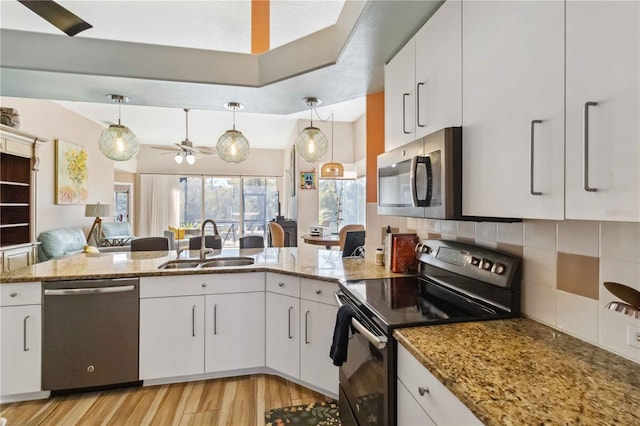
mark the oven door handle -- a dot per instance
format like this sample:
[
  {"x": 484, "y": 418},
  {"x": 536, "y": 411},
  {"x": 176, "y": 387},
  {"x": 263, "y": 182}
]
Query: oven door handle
[{"x": 379, "y": 342}]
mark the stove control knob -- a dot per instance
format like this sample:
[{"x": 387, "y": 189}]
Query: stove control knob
[
  {"x": 486, "y": 264},
  {"x": 498, "y": 268},
  {"x": 475, "y": 261}
]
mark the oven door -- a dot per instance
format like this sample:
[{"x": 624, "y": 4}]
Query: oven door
[
  {"x": 403, "y": 181},
  {"x": 364, "y": 378}
]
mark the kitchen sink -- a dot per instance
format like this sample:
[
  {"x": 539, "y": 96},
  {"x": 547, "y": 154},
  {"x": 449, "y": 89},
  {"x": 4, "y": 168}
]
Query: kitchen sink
[
  {"x": 227, "y": 261},
  {"x": 207, "y": 263}
]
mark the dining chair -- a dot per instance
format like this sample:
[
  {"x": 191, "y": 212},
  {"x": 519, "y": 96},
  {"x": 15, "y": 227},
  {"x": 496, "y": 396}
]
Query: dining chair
[
  {"x": 252, "y": 241},
  {"x": 210, "y": 241},
  {"x": 150, "y": 244},
  {"x": 345, "y": 229},
  {"x": 277, "y": 234}
]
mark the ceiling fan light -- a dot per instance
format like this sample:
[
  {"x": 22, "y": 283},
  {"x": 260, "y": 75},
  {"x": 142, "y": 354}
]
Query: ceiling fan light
[
  {"x": 332, "y": 170},
  {"x": 312, "y": 144},
  {"x": 178, "y": 158},
  {"x": 191, "y": 159},
  {"x": 118, "y": 143},
  {"x": 233, "y": 147}
]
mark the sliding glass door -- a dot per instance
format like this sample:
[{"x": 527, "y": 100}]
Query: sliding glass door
[{"x": 260, "y": 201}]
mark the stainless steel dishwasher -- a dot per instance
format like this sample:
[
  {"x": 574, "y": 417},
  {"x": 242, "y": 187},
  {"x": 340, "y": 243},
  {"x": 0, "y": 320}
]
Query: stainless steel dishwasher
[{"x": 90, "y": 333}]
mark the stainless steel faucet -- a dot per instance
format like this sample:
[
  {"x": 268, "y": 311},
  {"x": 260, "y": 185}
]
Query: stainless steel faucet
[{"x": 203, "y": 250}]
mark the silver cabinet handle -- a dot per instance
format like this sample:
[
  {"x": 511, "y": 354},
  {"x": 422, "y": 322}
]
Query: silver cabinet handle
[
  {"x": 422, "y": 390},
  {"x": 306, "y": 327},
  {"x": 24, "y": 345},
  {"x": 290, "y": 309},
  {"x": 404, "y": 113},
  {"x": 89, "y": 290},
  {"x": 280, "y": 284},
  {"x": 531, "y": 168},
  {"x": 586, "y": 146},
  {"x": 14, "y": 294},
  {"x": 418, "y": 104},
  {"x": 193, "y": 321},
  {"x": 215, "y": 319},
  {"x": 318, "y": 292},
  {"x": 204, "y": 285}
]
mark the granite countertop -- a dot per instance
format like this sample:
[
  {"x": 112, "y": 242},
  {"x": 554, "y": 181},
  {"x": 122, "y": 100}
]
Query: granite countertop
[
  {"x": 311, "y": 262},
  {"x": 522, "y": 372}
]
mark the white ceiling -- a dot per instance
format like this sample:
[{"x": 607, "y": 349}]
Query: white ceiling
[{"x": 155, "y": 114}]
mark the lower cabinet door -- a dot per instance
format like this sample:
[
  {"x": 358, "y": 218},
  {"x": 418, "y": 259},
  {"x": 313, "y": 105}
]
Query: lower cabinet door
[
  {"x": 171, "y": 337},
  {"x": 410, "y": 413},
  {"x": 234, "y": 331},
  {"x": 317, "y": 322},
  {"x": 283, "y": 342},
  {"x": 20, "y": 364}
]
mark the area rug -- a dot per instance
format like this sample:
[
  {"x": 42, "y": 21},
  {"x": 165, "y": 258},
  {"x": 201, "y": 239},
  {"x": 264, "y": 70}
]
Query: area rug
[{"x": 316, "y": 414}]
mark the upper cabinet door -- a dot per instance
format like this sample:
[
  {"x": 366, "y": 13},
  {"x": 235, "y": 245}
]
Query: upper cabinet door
[
  {"x": 603, "y": 137},
  {"x": 513, "y": 109},
  {"x": 439, "y": 70},
  {"x": 400, "y": 98}
]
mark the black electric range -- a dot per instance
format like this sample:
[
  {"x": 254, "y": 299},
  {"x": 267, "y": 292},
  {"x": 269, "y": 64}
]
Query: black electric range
[{"x": 456, "y": 282}]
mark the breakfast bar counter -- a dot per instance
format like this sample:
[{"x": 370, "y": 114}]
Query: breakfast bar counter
[
  {"x": 306, "y": 262},
  {"x": 522, "y": 372}
]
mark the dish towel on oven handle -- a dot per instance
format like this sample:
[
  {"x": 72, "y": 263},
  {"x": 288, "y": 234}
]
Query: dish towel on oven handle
[{"x": 338, "y": 352}]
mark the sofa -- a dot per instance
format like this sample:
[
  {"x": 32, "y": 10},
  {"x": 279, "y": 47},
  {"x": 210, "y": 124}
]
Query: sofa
[{"x": 61, "y": 242}]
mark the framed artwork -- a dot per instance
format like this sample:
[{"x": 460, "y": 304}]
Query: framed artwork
[
  {"x": 72, "y": 180},
  {"x": 307, "y": 180}
]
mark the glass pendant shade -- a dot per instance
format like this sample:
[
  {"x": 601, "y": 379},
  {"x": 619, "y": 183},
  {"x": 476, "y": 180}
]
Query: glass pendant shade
[
  {"x": 332, "y": 170},
  {"x": 179, "y": 158},
  {"x": 191, "y": 159},
  {"x": 233, "y": 147},
  {"x": 118, "y": 143},
  {"x": 312, "y": 144}
]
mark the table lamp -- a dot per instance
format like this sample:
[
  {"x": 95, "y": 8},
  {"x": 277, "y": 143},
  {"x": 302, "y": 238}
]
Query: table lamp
[{"x": 98, "y": 211}]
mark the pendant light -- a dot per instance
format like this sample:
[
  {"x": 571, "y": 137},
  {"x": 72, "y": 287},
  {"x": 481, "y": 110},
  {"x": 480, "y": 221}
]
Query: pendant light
[
  {"x": 232, "y": 146},
  {"x": 117, "y": 142},
  {"x": 311, "y": 143},
  {"x": 331, "y": 170}
]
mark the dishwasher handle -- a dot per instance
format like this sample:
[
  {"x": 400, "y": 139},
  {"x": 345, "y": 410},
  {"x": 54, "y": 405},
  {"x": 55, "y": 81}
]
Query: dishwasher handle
[{"x": 89, "y": 290}]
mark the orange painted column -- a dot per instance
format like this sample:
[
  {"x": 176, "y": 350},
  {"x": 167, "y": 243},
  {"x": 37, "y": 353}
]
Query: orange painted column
[
  {"x": 260, "y": 29},
  {"x": 375, "y": 142}
]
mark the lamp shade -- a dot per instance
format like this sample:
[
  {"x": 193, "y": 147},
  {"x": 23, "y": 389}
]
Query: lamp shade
[
  {"x": 97, "y": 210},
  {"x": 312, "y": 144},
  {"x": 233, "y": 147},
  {"x": 118, "y": 143}
]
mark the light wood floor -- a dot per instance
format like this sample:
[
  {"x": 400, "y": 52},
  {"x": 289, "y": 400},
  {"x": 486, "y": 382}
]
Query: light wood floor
[{"x": 236, "y": 401}]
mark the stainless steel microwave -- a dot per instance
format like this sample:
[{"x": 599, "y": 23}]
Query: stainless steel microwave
[{"x": 423, "y": 178}]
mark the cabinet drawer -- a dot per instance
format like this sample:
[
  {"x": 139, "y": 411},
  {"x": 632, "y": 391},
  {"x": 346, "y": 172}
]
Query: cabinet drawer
[
  {"x": 318, "y": 291},
  {"x": 187, "y": 285},
  {"x": 439, "y": 403},
  {"x": 21, "y": 294},
  {"x": 283, "y": 284}
]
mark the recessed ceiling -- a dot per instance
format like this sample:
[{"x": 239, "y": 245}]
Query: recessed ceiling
[{"x": 162, "y": 80}]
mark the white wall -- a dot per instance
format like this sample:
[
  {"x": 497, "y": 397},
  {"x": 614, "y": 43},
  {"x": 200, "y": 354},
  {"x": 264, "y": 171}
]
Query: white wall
[{"x": 49, "y": 120}]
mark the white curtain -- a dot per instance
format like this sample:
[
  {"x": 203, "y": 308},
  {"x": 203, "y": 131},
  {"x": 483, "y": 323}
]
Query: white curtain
[{"x": 159, "y": 204}]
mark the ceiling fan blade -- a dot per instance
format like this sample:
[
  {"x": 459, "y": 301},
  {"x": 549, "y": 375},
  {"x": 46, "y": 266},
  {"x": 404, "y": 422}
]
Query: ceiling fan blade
[
  {"x": 57, "y": 15},
  {"x": 206, "y": 150},
  {"x": 165, "y": 147}
]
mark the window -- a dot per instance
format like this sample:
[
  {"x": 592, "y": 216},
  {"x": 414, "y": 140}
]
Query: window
[
  {"x": 349, "y": 196},
  {"x": 239, "y": 206},
  {"x": 121, "y": 203}
]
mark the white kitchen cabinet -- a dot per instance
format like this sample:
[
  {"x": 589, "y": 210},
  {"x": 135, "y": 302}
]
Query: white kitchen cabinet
[
  {"x": 235, "y": 331},
  {"x": 410, "y": 413},
  {"x": 513, "y": 105},
  {"x": 438, "y": 84},
  {"x": 400, "y": 98},
  {"x": 603, "y": 55},
  {"x": 441, "y": 406},
  {"x": 316, "y": 328},
  {"x": 283, "y": 334},
  {"x": 171, "y": 337},
  {"x": 20, "y": 338}
]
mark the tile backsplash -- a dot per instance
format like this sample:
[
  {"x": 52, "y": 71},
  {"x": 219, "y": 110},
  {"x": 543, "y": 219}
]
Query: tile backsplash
[{"x": 565, "y": 264}]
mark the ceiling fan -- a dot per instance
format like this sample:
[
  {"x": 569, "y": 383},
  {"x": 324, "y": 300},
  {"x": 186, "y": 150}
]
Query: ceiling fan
[
  {"x": 185, "y": 149},
  {"x": 57, "y": 15}
]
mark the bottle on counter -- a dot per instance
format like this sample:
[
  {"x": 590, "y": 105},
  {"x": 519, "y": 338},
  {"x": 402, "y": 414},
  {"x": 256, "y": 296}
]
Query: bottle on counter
[
  {"x": 387, "y": 249},
  {"x": 379, "y": 256}
]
